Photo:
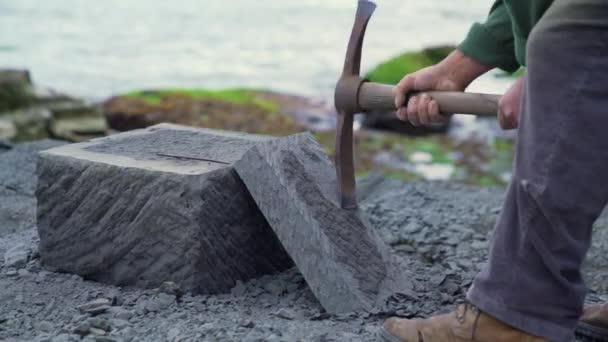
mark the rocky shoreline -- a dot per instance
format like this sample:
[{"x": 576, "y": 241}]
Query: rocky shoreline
[
  {"x": 438, "y": 231},
  {"x": 30, "y": 112},
  {"x": 468, "y": 153}
]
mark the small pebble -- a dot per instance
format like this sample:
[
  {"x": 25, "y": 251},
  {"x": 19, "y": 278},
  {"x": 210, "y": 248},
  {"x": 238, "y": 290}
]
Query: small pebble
[
  {"x": 285, "y": 314},
  {"x": 121, "y": 313},
  {"x": 171, "y": 288},
  {"x": 96, "y": 306},
  {"x": 119, "y": 323},
  {"x": 104, "y": 339},
  {"x": 98, "y": 332},
  {"x": 19, "y": 298},
  {"x": 172, "y": 334},
  {"x": 247, "y": 324},
  {"x": 100, "y": 323},
  {"x": 45, "y": 326}
]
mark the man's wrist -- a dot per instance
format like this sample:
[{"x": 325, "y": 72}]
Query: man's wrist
[{"x": 462, "y": 69}]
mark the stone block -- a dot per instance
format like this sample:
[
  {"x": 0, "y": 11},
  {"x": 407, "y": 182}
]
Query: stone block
[
  {"x": 341, "y": 257},
  {"x": 76, "y": 121},
  {"x": 154, "y": 205}
]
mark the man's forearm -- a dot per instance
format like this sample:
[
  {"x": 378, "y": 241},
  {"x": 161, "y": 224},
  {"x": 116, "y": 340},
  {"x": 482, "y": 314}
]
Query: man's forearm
[{"x": 462, "y": 69}]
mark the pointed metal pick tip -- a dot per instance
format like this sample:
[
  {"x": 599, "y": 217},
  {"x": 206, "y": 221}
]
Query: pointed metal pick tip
[
  {"x": 365, "y": 8},
  {"x": 348, "y": 202}
]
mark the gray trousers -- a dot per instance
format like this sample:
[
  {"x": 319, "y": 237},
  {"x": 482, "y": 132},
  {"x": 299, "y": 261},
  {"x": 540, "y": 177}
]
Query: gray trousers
[{"x": 532, "y": 280}]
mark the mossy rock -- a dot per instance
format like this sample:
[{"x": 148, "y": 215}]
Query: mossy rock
[
  {"x": 391, "y": 71},
  {"x": 245, "y": 110},
  {"x": 15, "y": 89},
  {"x": 30, "y": 123}
]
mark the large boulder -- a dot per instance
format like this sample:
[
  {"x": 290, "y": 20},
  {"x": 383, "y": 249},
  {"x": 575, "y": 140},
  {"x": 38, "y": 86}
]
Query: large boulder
[
  {"x": 28, "y": 112},
  {"x": 243, "y": 110},
  {"x": 154, "y": 205}
]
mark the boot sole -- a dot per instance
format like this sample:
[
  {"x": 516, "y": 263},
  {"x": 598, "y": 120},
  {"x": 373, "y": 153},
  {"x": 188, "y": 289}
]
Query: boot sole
[
  {"x": 387, "y": 337},
  {"x": 591, "y": 333}
]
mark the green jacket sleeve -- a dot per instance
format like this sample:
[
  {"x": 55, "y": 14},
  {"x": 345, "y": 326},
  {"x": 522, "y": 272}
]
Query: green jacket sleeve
[{"x": 492, "y": 42}]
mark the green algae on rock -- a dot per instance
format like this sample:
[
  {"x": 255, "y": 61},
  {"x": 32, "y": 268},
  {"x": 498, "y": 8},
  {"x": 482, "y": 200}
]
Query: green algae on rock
[
  {"x": 237, "y": 95},
  {"x": 244, "y": 110},
  {"x": 392, "y": 70},
  {"x": 15, "y": 89}
]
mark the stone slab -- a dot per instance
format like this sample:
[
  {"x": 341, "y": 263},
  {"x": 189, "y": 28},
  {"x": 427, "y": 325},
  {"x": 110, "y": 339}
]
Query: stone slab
[
  {"x": 148, "y": 206},
  {"x": 342, "y": 258}
]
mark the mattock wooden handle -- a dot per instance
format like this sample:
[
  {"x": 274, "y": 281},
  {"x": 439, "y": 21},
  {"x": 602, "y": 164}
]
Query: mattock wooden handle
[{"x": 376, "y": 96}]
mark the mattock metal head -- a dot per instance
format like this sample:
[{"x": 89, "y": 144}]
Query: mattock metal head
[{"x": 346, "y": 100}]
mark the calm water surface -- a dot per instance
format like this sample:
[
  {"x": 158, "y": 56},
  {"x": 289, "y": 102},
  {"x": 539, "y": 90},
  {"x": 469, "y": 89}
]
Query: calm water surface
[{"x": 98, "y": 48}]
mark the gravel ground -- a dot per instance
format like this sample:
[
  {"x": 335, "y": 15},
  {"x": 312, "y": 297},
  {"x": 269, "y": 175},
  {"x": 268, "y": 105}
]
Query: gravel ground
[{"x": 439, "y": 231}]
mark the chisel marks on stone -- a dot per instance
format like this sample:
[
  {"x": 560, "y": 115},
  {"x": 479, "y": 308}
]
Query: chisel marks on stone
[
  {"x": 133, "y": 226},
  {"x": 343, "y": 260}
]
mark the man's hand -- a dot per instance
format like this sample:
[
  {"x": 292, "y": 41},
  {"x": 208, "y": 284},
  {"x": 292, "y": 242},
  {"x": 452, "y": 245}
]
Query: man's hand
[
  {"x": 422, "y": 109},
  {"x": 508, "y": 106},
  {"x": 454, "y": 73}
]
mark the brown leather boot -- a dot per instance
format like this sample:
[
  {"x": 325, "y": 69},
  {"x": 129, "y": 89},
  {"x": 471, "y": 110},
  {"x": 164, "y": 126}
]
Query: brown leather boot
[
  {"x": 593, "y": 324},
  {"x": 467, "y": 323}
]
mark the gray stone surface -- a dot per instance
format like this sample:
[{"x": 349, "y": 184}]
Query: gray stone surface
[
  {"x": 119, "y": 210},
  {"x": 439, "y": 238},
  {"x": 18, "y": 183},
  {"x": 342, "y": 258},
  {"x": 17, "y": 256}
]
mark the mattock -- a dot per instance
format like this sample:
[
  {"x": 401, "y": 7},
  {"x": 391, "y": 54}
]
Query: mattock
[{"x": 356, "y": 95}]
